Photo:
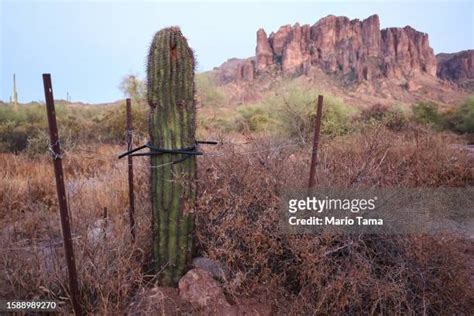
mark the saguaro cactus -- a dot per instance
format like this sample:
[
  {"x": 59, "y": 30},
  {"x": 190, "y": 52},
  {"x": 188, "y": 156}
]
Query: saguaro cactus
[
  {"x": 172, "y": 125},
  {"x": 14, "y": 97}
]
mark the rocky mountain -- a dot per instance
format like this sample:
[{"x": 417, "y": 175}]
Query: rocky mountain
[
  {"x": 457, "y": 67},
  {"x": 354, "y": 59},
  {"x": 357, "y": 50}
]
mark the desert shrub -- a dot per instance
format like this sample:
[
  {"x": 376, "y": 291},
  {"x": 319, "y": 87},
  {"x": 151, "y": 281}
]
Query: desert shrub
[
  {"x": 292, "y": 112},
  {"x": 255, "y": 118},
  {"x": 208, "y": 92},
  {"x": 461, "y": 119},
  {"x": 26, "y": 127},
  {"x": 295, "y": 109},
  {"x": 32, "y": 113},
  {"x": 396, "y": 120},
  {"x": 325, "y": 273},
  {"x": 233, "y": 122},
  {"x": 76, "y": 124},
  {"x": 109, "y": 266},
  {"x": 237, "y": 222},
  {"x": 13, "y": 138},
  {"x": 392, "y": 117},
  {"x": 38, "y": 143},
  {"x": 109, "y": 126},
  {"x": 16, "y": 126},
  {"x": 428, "y": 113},
  {"x": 336, "y": 117},
  {"x": 38, "y": 140},
  {"x": 8, "y": 114},
  {"x": 112, "y": 125},
  {"x": 375, "y": 112}
]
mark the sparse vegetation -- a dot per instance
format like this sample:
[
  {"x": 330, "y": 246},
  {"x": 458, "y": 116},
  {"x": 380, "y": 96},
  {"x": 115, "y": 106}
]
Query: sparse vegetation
[
  {"x": 288, "y": 113},
  {"x": 208, "y": 93},
  {"x": 335, "y": 274},
  {"x": 461, "y": 119},
  {"x": 324, "y": 274},
  {"x": 393, "y": 118},
  {"x": 23, "y": 129},
  {"x": 428, "y": 113},
  {"x": 294, "y": 109},
  {"x": 237, "y": 226}
]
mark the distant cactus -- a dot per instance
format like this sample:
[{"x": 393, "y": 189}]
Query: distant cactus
[
  {"x": 172, "y": 125},
  {"x": 14, "y": 97}
]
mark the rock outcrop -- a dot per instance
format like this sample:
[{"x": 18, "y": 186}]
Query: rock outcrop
[
  {"x": 237, "y": 70},
  {"x": 264, "y": 53},
  {"x": 356, "y": 50},
  {"x": 457, "y": 67}
]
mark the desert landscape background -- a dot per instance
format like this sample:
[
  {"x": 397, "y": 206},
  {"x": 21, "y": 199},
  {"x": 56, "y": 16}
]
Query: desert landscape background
[{"x": 394, "y": 114}]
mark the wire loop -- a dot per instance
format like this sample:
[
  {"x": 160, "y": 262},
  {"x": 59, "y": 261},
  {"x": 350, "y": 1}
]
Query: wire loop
[
  {"x": 54, "y": 154},
  {"x": 187, "y": 151}
]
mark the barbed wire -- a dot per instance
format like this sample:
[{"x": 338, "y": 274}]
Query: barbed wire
[
  {"x": 55, "y": 155},
  {"x": 36, "y": 244},
  {"x": 292, "y": 142},
  {"x": 252, "y": 152}
]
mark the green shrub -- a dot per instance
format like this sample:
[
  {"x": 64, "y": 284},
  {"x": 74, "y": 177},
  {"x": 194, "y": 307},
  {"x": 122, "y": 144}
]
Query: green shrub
[
  {"x": 336, "y": 117},
  {"x": 255, "y": 118},
  {"x": 393, "y": 118},
  {"x": 26, "y": 127},
  {"x": 9, "y": 115},
  {"x": 428, "y": 113},
  {"x": 109, "y": 126},
  {"x": 291, "y": 113},
  {"x": 461, "y": 120},
  {"x": 13, "y": 138},
  {"x": 17, "y": 125},
  {"x": 38, "y": 143},
  {"x": 295, "y": 110},
  {"x": 208, "y": 92},
  {"x": 223, "y": 122}
]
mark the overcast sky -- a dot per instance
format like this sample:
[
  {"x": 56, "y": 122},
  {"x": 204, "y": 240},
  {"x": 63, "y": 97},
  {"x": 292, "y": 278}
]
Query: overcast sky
[{"x": 88, "y": 46}]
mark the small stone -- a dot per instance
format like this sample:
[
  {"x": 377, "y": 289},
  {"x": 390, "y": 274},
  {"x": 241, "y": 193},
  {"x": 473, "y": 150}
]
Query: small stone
[
  {"x": 213, "y": 267},
  {"x": 200, "y": 289}
]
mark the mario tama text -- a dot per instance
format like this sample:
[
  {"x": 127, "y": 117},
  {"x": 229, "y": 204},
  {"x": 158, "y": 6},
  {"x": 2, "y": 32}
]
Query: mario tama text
[
  {"x": 323, "y": 208},
  {"x": 380, "y": 211}
]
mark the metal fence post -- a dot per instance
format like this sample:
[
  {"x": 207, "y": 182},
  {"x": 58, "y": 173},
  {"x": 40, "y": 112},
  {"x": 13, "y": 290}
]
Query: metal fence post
[
  {"x": 63, "y": 209},
  {"x": 314, "y": 155},
  {"x": 131, "y": 194}
]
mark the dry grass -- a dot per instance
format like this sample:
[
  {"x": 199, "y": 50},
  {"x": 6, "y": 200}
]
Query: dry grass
[
  {"x": 327, "y": 274},
  {"x": 236, "y": 224},
  {"x": 110, "y": 267}
]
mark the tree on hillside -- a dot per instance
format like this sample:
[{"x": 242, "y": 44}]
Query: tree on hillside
[{"x": 133, "y": 87}]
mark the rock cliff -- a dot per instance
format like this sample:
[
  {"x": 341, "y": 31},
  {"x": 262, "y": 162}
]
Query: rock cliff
[
  {"x": 457, "y": 67},
  {"x": 353, "y": 49}
]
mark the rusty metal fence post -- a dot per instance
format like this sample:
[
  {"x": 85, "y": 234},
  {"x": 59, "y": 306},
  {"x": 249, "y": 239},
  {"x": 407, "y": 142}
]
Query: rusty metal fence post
[
  {"x": 314, "y": 155},
  {"x": 131, "y": 194},
  {"x": 63, "y": 209}
]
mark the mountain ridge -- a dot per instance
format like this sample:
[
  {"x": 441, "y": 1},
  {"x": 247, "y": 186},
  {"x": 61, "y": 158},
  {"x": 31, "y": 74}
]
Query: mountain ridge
[{"x": 358, "y": 55}]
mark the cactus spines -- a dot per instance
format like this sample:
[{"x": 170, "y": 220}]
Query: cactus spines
[{"x": 172, "y": 125}]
